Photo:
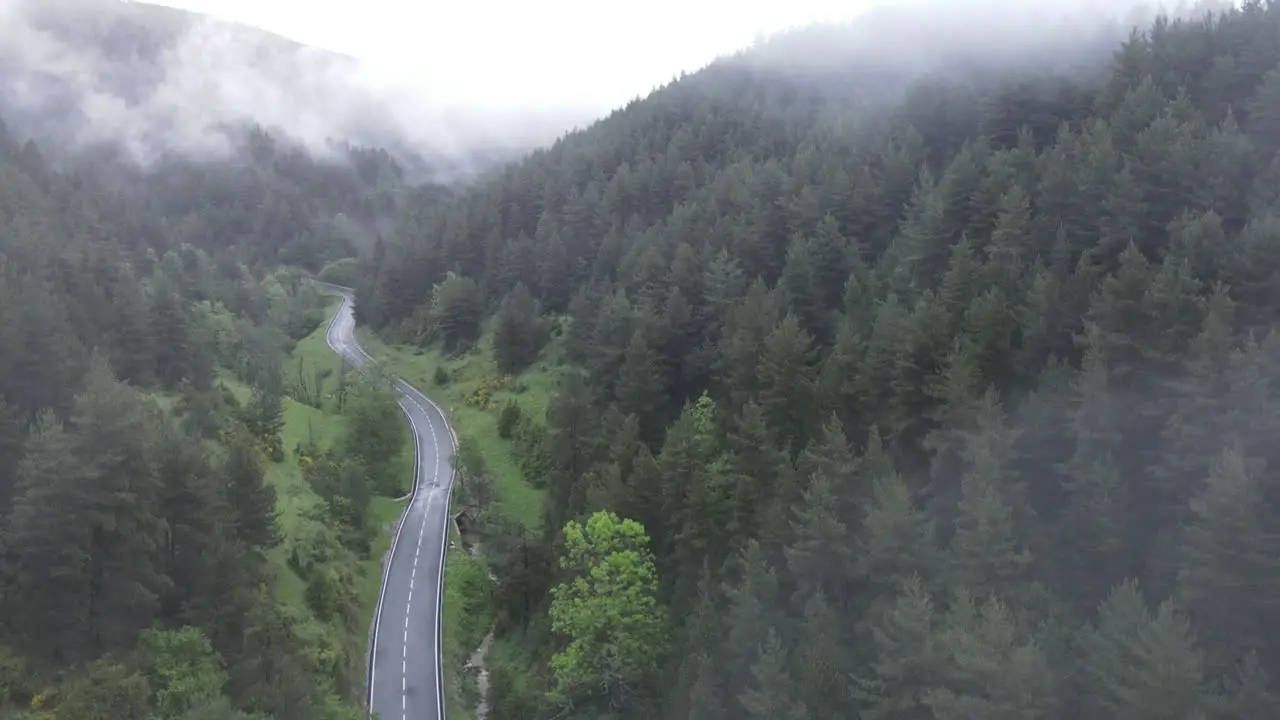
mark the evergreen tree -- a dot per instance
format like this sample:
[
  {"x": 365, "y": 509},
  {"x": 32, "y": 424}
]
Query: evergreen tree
[
  {"x": 770, "y": 695},
  {"x": 172, "y": 334},
  {"x": 263, "y": 415},
  {"x": 1139, "y": 664},
  {"x": 120, "y": 497},
  {"x": 1229, "y": 552},
  {"x": 906, "y": 668},
  {"x": 47, "y": 549},
  {"x": 519, "y": 333},
  {"x": 252, "y": 502}
]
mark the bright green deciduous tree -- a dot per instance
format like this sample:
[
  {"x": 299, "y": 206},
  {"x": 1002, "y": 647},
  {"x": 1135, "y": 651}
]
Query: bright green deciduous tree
[
  {"x": 608, "y": 609},
  {"x": 183, "y": 671}
]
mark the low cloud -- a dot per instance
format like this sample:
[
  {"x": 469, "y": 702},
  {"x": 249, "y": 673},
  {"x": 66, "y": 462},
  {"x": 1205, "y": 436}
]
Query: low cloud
[{"x": 155, "y": 80}]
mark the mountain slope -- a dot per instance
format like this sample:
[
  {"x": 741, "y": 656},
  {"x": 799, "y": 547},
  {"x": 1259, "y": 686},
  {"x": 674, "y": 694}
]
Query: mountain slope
[
  {"x": 143, "y": 562},
  {"x": 938, "y": 401}
]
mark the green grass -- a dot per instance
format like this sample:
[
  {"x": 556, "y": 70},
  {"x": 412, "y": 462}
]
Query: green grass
[
  {"x": 532, "y": 389},
  {"x": 302, "y": 424},
  {"x": 468, "y": 615},
  {"x": 305, "y": 425},
  {"x": 311, "y": 356}
]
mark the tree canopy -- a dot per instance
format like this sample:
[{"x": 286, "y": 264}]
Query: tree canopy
[{"x": 953, "y": 402}]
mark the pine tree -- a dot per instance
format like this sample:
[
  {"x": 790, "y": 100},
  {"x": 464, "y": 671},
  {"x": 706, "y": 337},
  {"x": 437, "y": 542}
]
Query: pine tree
[
  {"x": 132, "y": 346},
  {"x": 1121, "y": 317},
  {"x": 1010, "y": 241},
  {"x": 263, "y": 415},
  {"x": 1247, "y": 695},
  {"x": 43, "y": 360},
  {"x": 820, "y": 555},
  {"x": 700, "y": 693},
  {"x": 252, "y": 501},
  {"x": 989, "y": 670},
  {"x": 906, "y": 668},
  {"x": 919, "y": 253},
  {"x": 704, "y": 701},
  {"x": 519, "y": 334},
  {"x": 985, "y": 552},
  {"x": 571, "y": 426},
  {"x": 640, "y": 386},
  {"x": 770, "y": 695},
  {"x": 838, "y": 375},
  {"x": 193, "y": 510},
  {"x": 786, "y": 375},
  {"x": 605, "y": 347},
  {"x": 804, "y": 294},
  {"x": 48, "y": 552},
  {"x": 740, "y": 351},
  {"x": 758, "y": 467},
  {"x": 753, "y": 609},
  {"x": 961, "y": 283},
  {"x": 1140, "y": 665},
  {"x": 1230, "y": 577},
  {"x": 723, "y": 285},
  {"x": 821, "y": 661},
  {"x": 1092, "y": 551},
  {"x": 897, "y": 541},
  {"x": 113, "y": 429},
  {"x": 455, "y": 312},
  {"x": 172, "y": 333},
  {"x": 696, "y": 498}
]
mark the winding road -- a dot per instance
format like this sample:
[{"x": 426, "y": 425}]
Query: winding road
[{"x": 406, "y": 681}]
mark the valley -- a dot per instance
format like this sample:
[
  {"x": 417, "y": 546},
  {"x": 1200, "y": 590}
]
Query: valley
[{"x": 867, "y": 371}]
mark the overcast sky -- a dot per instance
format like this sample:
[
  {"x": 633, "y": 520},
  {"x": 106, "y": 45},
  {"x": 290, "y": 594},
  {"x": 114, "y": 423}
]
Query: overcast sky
[{"x": 545, "y": 54}]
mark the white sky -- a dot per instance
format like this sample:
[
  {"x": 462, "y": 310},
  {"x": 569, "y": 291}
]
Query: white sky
[{"x": 547, "y": 54}]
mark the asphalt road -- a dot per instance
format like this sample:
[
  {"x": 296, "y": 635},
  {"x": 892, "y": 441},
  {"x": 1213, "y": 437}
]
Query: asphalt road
[{"x": 405, "y": 678}]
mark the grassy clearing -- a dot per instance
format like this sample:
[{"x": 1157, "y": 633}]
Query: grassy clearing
[
  {"x": 312, "y": 356},
  {"x": 532, "y": 389},
  {"x": 294, "y": 497},
  {"x": 468, "y": 612},
  {"x": 311, "y": 359},
  {"x": 295, "y": 500}
]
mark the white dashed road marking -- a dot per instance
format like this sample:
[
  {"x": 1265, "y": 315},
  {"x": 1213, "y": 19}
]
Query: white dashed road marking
[{"x": 343, "y": 325}]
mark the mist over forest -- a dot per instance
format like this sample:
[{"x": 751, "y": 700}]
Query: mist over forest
[
  {"x": 920, "y": 367},
  {"x": 151, "y": 79}
]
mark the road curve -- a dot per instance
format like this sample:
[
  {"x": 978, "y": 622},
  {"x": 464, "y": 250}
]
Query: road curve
[{"x": 406, "y": 681}]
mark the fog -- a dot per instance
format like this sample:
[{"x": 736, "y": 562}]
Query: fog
[
  {"x": 76, "y": 58},
  {"x": 914, "y": 37},
  {"x": 446, "y": 82}
]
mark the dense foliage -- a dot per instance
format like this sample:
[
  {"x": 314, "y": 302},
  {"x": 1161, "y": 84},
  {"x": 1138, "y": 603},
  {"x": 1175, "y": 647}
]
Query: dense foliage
[
  {"x": 956, "y": 406},
  {"x": 135, "y": 522}
]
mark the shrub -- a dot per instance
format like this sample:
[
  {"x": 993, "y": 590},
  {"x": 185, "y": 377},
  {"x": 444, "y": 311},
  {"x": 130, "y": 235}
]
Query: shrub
[{"x": 508, "y": 420}]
